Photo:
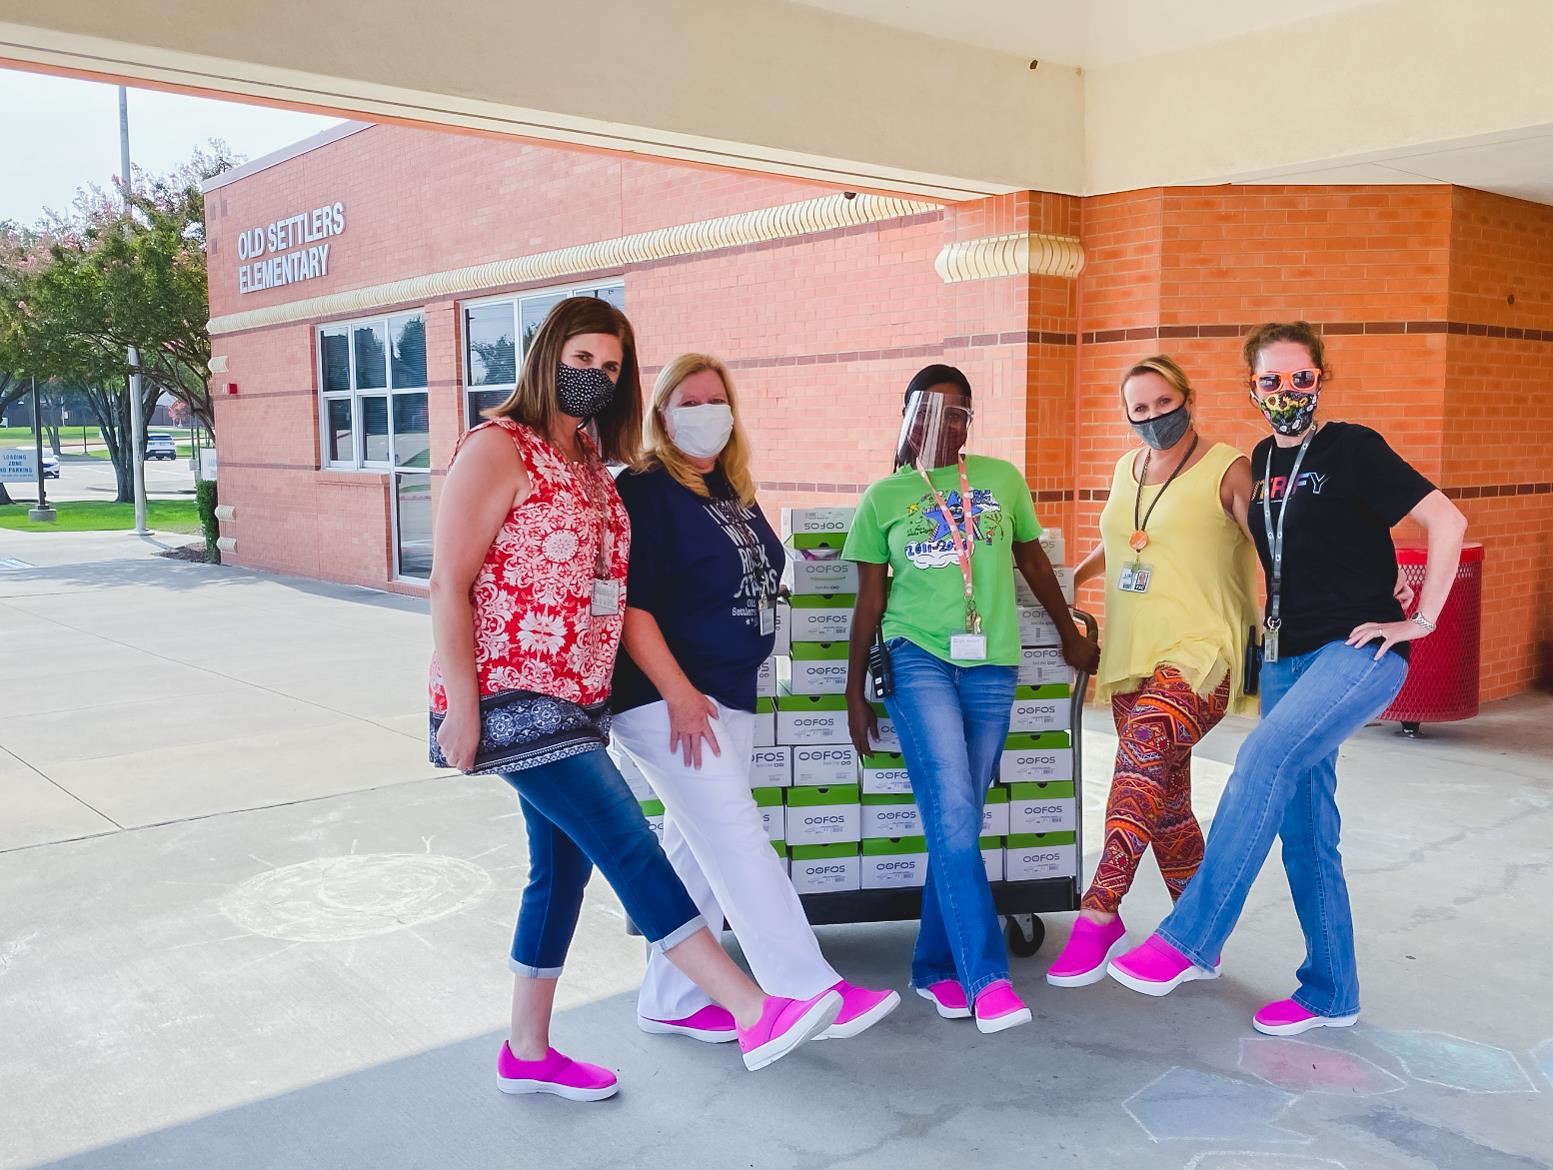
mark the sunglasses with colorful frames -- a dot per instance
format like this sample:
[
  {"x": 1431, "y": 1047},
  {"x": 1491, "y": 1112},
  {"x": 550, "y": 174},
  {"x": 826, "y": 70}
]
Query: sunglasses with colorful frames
[{"x": 1271, "y": 380}]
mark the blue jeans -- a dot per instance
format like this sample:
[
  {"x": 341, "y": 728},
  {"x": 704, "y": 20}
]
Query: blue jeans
[
  {"x": 952, "y": 722},
  {"x": 1285, "y": 784},
  {"x": 581, "y": 814}
]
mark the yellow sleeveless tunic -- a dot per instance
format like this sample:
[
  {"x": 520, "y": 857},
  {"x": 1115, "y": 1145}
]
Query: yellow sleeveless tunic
[{"x": 1202, "y": 598}]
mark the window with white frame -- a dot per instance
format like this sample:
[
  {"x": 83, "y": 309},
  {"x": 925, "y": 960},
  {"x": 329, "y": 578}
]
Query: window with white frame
[
  {"x": 374, "y": 415},
  {"x": 496, "y": 337}
]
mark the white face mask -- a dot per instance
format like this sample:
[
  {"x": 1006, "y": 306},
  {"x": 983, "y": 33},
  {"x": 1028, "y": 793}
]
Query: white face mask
[{"x": 700, "y": 431}]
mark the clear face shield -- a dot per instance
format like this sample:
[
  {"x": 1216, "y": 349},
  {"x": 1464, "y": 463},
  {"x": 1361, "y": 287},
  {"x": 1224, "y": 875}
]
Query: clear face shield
[{"x": 934, "y": 428}]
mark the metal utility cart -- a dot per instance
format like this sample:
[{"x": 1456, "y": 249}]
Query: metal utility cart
[{"x": 1020, "y": 903}]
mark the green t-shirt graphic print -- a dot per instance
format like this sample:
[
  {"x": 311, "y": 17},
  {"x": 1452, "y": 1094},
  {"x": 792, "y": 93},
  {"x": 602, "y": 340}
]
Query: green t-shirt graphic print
[{"x": 899, "y": 523}]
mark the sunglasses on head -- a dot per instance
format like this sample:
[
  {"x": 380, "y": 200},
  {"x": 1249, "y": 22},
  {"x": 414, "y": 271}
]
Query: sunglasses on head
[{"x": 1271, "y": 380}]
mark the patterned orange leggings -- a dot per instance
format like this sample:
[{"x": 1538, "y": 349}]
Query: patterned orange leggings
[{"x": 1151, "y": 791}]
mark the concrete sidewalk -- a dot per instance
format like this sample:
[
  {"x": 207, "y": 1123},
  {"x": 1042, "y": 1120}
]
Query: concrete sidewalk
[{"x": 243, "y": 924}]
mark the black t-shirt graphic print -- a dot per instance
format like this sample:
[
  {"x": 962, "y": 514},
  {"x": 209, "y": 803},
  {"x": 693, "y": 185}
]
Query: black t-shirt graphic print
[
  {"x": 701, "y": 566},
  {"x": 1339, "y": 562}
]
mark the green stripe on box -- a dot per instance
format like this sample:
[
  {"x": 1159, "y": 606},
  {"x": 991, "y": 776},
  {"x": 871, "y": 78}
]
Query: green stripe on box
[
  {"x": 781, "y": 848},
  {"x": 831, "y": 601},
  {"x": 652, "y": 808},
  {"x": 787, "y": 701},
  {"x": 767, "y": 797},
  {"x": 821, "y": 852},
  {"x": 808, "y": 540},
  {"x": 1039, "y": 789},
  {"x": 884, "y": 760},
  {"x": 1030, "y": 741},
  {"x": 885, "y": 846},
  {"x": 811, "y": 797},
  {"x": 1040, "y": 840},
  {"x": 991, "y": 843},
  {"x": 765, "y": 706},
  {"x": 997, "y": 794},
  {"x": 1052, "y": 691},
  {"x": 889, "y": 798},
  {"x": 820, "y": 651}
]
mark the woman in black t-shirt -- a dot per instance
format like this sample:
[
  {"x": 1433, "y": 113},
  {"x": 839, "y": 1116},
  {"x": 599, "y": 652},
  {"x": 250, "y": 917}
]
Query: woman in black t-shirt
[
  {"x": 1324, "y": 499},
  {"x": 700, "y": 613}
]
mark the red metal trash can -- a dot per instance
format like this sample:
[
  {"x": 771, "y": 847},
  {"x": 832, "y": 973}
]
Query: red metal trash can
[{"x": 1442, "y": 677}]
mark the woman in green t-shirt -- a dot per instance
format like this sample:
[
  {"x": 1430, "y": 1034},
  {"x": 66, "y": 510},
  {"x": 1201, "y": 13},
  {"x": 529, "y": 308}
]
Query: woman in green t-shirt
[{"x": 952, "y": 630}]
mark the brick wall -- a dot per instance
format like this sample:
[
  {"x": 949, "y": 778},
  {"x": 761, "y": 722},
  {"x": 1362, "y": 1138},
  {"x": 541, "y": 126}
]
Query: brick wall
[{"x": 824, "y": 332}]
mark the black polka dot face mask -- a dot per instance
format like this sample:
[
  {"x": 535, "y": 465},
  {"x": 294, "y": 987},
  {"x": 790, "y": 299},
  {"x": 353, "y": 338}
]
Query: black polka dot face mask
[{"x": 582, "y": 393}]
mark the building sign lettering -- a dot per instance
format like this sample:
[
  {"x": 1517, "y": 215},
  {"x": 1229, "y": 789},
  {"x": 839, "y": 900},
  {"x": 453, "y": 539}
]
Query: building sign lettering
[{"x": 289, "y": 250}]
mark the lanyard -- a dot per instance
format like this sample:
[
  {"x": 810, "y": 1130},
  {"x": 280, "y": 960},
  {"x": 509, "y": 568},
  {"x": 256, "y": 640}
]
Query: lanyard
[
  {"x": 1275, "y": 539},
  {"x": 1140, "y": 536},
  {"x": 962, "y": 543},
  {"x": 587, "y": 469}
]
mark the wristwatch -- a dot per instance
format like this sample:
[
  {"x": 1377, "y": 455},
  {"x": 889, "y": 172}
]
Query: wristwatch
[{"x": 1423, "y": 623}]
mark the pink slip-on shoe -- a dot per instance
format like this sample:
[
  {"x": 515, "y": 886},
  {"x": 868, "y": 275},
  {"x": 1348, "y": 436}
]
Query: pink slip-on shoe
[
  {"x": 784, "y": 1024},
  {"x": 998, "y": 1008},
  {"x": 1090, "y": 947},
  {"x": 556, "y": 1074},
  {"x": 1156, "y": 968},
  {"x": 861, "y": 1009},
  {"x": 948, "y": 997},
  {"x": 1287, "y": 1018},
  {"x": 710, "y": 1025}
]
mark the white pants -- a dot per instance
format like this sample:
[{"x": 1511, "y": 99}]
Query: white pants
[{"x": 717, "y": 843}]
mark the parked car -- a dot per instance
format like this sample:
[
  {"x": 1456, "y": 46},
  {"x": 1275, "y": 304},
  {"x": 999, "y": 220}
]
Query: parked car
[
  {"x": 161, "y": 447},
  {"x": 50, "y": 461}
]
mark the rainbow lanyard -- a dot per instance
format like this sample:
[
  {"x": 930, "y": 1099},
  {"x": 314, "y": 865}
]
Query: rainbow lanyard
[{"x": 962, "y": 543}]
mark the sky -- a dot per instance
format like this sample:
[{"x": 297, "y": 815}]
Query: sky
[{"x": 58, "y": 134}]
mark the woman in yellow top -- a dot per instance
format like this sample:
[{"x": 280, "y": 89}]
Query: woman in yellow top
[{"x": 1180, "y": 603}]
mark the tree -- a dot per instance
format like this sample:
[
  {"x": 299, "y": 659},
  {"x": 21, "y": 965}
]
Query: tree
[{"x": 81, "y": 290}]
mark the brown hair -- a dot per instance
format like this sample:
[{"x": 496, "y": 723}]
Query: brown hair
[
  {"x": 532, "y": 401},
  {"x": 734, "y": 459},
  {"x": 1299, "y": 332},
  {"x": 1166, "y": 368}
]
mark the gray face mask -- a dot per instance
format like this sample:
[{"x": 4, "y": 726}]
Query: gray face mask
[{"x": 1165, "y": 430}]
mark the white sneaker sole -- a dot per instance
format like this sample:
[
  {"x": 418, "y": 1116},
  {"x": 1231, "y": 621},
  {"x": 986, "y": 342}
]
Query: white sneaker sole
[
  {"x": 1304, "y": 1025},
  {"x": 1003, "y": 1023},
  {"x": 706, "y": 1036},
  {"x": 521, "y": 1087},
  {"x": 861, "y": 1024},
  {"x": 1145, "y": 987},
  {"x": 819, "y": 1017},
  {"x": 947, "y": 1013},
  {"x": 1095, "y": 974}
]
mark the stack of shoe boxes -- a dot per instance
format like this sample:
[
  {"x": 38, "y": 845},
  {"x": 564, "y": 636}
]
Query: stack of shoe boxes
[
  {"x": 824, "y": 807},
  {"x": 1036, "y": 794}
]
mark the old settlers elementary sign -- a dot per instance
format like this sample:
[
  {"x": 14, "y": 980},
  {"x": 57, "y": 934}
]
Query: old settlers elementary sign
[{"x": 289, "y": 250}]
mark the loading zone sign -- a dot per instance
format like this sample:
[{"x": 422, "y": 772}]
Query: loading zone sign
[{"x": 18, "y": 466}]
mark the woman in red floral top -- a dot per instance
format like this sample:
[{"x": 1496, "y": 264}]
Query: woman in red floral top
[{"x": 527, "y": 603}]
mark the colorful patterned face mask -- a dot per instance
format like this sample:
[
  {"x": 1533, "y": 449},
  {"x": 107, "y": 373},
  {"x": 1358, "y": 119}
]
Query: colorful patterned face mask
[{"x": 1289, "y": 411}]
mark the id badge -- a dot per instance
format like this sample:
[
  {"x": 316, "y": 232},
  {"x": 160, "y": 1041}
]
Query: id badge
[
  {"x": 1135, "y": 578},
  {"x": 767, "y": 620},
  {"x": 606, "y": 598},
  {"x": 968, "y": 647}
]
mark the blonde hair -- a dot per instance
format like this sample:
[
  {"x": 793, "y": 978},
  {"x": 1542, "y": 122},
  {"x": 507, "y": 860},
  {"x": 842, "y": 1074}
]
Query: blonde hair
[
  {"x": 1166, "y": 368},
  {"x": 734, "y": 460}
]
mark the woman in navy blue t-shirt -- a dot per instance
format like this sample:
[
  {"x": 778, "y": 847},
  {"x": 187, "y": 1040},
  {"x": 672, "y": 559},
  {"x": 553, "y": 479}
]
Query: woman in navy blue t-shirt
[{"x": 700, "y": 621}]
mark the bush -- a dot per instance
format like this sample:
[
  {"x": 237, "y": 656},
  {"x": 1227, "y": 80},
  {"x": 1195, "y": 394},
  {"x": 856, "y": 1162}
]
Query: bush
[{"x": 205, "y": 498}]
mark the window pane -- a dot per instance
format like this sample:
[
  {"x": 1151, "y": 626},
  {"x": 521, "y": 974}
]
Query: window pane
[
  {"x": 374, "y": 430},
  {"x": 342, "y": 441},
  {"x": 334, "y": 349},
  {"x": 412, "y": 503},
  {"x": 480, "y": 400},
  {"x": 371, "y": 357},
  {"x": 412, "y": 437},
  {"x": 492, "y": 358},
  {"x": 408, "y": 336},
  {"x": 615, "y": 295},
  {"x": 534, "y": 311}
]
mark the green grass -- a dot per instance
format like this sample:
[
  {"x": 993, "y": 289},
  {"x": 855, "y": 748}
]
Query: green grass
[
  {"x": 106, "y": 516},
  {"x": 10, "y": 435}
]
